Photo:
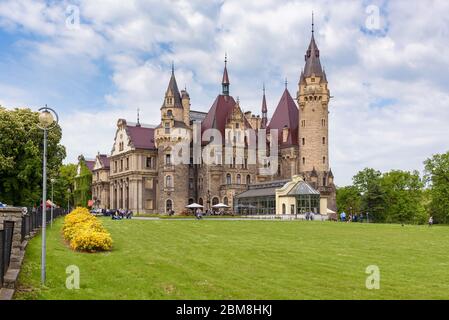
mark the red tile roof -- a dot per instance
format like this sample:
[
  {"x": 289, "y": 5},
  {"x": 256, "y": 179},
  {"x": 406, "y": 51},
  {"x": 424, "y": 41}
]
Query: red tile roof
[
  {"x": 219, "y": 113},
  {"x": 141, "y": 138},
  {"x": 286, "y": 115}
]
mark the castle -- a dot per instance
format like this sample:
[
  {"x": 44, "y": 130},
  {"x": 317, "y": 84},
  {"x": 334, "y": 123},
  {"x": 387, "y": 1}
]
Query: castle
[{"x": 141, "y": 175}]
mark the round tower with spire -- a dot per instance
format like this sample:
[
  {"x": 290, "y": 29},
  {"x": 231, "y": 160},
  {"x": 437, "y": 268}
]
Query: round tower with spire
[{"x": 313, "y": 101}]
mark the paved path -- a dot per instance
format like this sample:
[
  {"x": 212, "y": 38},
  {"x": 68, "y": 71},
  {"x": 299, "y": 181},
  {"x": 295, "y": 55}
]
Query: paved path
[{"x": 205, "y": 218}]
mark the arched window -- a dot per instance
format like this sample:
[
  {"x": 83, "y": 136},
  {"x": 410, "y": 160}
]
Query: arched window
[
  {"x": 170, "y": 113},
  {"x": 225, "y": 200},
  {"x": 303, "y": 160},
  {"x": 168, "y": 206},
  {"x": 248, "y": 179},
  {"x": 191, "y": 201},
  {"x": 284, "y": 210},
  {"x": 168, "y": 181},
  {"x": 228, "y": 179},
  {"x": 239, "y": 179},
  {"x": 303, "y": 141},
  {"x": 324, "y": 160},
  {"x": 215, "y": 201},
  {"x": 324, "y": 140}
]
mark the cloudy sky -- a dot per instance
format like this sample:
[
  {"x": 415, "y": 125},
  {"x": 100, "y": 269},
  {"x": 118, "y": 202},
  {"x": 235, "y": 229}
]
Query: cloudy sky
[{"x": 387, "y": 64}]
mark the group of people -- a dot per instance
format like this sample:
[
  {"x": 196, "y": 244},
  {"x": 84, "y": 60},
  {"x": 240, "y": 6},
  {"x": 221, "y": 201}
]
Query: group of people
[
  {"x": 118, "y": 214},
  {"x": 352, "y": 217}
]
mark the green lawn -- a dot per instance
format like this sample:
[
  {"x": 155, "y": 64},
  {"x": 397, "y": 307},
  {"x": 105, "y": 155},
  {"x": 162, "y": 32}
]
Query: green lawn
[{"x": 246, "y": 260}]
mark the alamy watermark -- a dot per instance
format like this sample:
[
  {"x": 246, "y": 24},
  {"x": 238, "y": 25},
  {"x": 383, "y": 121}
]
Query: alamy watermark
[
  {"x": 373, "y": 279},
  {"x": 72, "y": 281},
  {"x": 372, "y": 21},
  {"x": 72, "y": 21}
]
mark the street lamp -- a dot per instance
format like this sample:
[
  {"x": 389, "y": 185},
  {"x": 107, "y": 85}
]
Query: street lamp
[
  {"x": 52, "y": 203},
  {"x": 68, "y": 200},
  {"x": 48, "y": 119}
]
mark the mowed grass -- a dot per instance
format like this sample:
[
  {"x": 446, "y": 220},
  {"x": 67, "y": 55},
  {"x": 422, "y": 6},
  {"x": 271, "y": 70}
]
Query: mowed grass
[{"x": 246, "y": 260}]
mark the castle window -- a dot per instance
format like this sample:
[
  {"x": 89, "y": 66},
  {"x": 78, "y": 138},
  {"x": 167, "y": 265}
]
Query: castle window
[
  {"x": 324, "y": 181},
  {"x": 324, "y": 160},
  {"x": 225, "y": 200},
  {"x": 324, "y": 140},
  {"x": 168, "y": 159},
  {"x": 215, "y": 201},
  {"x": 127, "y": 164},
  {"x": 284, "y": 209},
  {"x": 121, "y": 165},
  {"x": 303, "y": 123},
  {"x": 248, "y": 179},
  {"x": 168, "y": 181},
  {"x": 246, "y": 163},
  {"x": 306, "y": 99},
  {"x": 303, "y": 160},
  {"x": 313, "y": 79},
  {"x": 115, "y": 166},
  {"x": 323, "y": 122},
  {"x": 149, "y": 162},
  {"x": 237, "y": 125},
  {"x": 239, "y": 179},
  {"x": 167, "y": 128},
  {"x": 170, "y": 113},
  {"x": 303, "y": 141},
  {"x": 228, "y": 179}
]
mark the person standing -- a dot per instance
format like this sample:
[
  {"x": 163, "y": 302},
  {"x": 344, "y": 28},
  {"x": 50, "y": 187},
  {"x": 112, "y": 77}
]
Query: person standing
[{"x": 430, "y": 221}]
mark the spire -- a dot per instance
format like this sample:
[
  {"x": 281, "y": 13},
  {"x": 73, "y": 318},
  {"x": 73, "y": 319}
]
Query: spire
[
  {"x": 286, "y": 83},
  {"x": 173, "y": 90},
  {"x": 313, "y": 24},
  {"x": 312, "y": 57},
  {"x": 225, "y": 82},
  {"x": 264, "y": 110},
  {"x": 138, "y": 118}
]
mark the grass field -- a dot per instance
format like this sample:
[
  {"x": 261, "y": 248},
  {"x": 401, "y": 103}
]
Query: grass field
[{"x": 246, "y": 260}]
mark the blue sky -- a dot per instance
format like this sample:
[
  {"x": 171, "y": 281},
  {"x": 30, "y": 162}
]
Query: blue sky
[{"x": 387, "y": 73}]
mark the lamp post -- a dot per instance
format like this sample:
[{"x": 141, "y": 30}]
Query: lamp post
[
  {"x": 68, "y": 200},
  {"x": 48, "y": 118},
  {"x": 52, "y": 203}
]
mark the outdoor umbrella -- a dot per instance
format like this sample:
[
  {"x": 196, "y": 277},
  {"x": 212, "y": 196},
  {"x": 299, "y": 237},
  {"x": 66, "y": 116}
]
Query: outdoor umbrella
[
  {"x": 220, "y": 206},
  {"x": 194, "y": 206}
]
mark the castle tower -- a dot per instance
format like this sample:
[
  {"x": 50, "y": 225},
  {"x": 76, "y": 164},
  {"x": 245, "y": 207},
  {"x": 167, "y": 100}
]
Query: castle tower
[
  {"x": 313, "y": 101},
  {"x": 172, "y": 139}
]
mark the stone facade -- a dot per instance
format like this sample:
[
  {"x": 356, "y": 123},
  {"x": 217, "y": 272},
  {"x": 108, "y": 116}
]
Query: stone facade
[{"x": 143, "y": 174}]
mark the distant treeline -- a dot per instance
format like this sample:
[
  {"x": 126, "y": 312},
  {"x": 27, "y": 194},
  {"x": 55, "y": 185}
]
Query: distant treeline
[{"x": 400, "y": 196}]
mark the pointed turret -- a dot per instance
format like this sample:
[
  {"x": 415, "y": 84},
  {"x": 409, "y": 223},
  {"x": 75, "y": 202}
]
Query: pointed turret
[
  {"x": 225, "y": 82},
  {"x": 312, "y": 57},
  {"x": 264, "y": 111},
  {"x": 172, "y": 95}
]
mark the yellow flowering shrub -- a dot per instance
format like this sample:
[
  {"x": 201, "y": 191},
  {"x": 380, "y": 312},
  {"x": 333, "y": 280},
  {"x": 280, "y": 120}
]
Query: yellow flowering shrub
[{"x": 85, "y": 232}]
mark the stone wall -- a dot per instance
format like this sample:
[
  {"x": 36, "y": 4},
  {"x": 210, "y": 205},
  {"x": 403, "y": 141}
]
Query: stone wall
[{"x": 14, "y": 215}]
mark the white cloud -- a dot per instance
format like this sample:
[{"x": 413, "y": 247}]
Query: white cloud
[{"x": 390, "y": 109}]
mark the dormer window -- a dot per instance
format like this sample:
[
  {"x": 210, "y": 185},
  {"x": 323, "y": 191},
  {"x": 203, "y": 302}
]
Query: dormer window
[{"x": 170, "y": 113}]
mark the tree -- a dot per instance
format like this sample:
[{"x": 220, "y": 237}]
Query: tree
[
  {"x": 368, "y": 183},
  {"x": 437, "y": 176},
  {"x": 349, "y": 200},
  {"x": 83, "y": 184},
  {"x": 65, "y": 185},
  {"x": 403, "y": 192},
  {"x": 21, "y": 156}
]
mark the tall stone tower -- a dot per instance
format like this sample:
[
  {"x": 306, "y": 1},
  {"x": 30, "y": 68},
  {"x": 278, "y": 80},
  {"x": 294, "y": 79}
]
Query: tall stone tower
[
  {"x": 313, "y": 101},
  {"x": 170, "y": 136}
]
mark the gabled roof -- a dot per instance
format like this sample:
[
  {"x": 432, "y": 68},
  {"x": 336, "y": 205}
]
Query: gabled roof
[
  {"x": 90, "y": 164},
  {"x": 286, "y": 115},
  {"x": 302, "y": 188},
  {"x": 140, "y": 137},
  {"x": 104, "y": 160}
]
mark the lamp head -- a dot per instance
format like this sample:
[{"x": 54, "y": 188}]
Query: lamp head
[{"x": 46, "y": 119}]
